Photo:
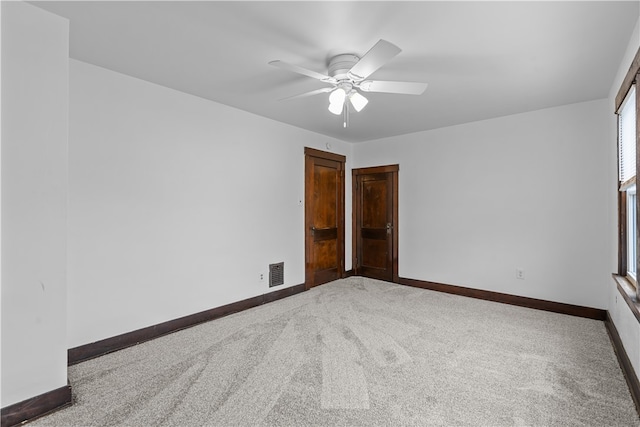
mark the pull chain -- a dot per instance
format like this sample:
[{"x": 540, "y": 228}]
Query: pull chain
[{"x": 345, "y": 122}]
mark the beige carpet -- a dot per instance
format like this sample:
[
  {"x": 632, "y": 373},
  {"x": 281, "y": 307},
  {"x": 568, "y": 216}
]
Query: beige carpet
[{"x": 361, "y": 352}]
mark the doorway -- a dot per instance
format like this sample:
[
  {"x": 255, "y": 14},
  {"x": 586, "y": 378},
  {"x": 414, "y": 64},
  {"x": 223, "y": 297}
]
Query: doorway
[
  {"x": 375, "y": 222},
  {"x": 324, "y": 217}
]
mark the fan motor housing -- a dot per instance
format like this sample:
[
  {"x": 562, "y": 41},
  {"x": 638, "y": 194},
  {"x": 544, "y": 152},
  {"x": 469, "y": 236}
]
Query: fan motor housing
[{"x": 340, "y": 65}]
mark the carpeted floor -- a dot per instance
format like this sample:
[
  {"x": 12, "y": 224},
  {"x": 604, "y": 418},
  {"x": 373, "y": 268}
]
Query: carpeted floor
[{"x": 361, "y": 352}]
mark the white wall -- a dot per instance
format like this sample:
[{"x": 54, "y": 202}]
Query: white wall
[
  {"x": 176, "y": 203},
  {"x": 624, "y": 320},
  {"x": 528, "y": 191},
  {"x": 34, "y": 198}
]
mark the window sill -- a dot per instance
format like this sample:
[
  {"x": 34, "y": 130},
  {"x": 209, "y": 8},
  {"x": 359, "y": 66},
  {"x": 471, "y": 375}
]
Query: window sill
[{"x": 628, "y": 292}]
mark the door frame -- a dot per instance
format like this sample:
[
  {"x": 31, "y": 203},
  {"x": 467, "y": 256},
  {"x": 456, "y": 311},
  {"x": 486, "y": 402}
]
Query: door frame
[
  {"x": 308, "y": 212},
  {"x": 393, "y": 169}
]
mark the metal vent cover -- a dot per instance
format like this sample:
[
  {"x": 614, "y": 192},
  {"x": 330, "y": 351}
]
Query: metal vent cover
[{"x": 276, "y": 274}]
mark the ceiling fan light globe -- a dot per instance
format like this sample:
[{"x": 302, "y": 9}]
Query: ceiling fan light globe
[
  {"x": 336, "y": 108},
  {"x": 337, "y": 96},
  {"x": 358, "y": 101}
]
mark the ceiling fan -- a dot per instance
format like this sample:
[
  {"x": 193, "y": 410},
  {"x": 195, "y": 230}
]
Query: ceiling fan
[{"x": 347, "y": 75}]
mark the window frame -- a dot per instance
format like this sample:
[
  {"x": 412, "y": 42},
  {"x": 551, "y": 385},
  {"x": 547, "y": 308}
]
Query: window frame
[
  {"x": 628, "y": 203},
  {"x": 631, "y": 79}
]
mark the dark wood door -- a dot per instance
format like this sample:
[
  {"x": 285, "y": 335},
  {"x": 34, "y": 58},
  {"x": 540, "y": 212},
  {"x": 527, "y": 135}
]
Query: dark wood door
[
  {"x": 375, "y": 222},
  {"x": 324, "y": 217}
]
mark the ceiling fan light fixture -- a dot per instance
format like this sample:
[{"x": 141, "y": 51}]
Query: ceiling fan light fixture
[
  {"x": 336, "y": 101},
  {"x": 358, "y": 101},
  {"x": 337, "y": 96},
  {"x": 336, "y": 108}
]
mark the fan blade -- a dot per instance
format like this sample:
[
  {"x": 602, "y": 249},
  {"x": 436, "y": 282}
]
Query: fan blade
[
  {"x": 404, "y": 88},
  {"x": 304, "y": 95},
  {"x": 377, "y": 56},
  {"x": 303, "y": 71}
]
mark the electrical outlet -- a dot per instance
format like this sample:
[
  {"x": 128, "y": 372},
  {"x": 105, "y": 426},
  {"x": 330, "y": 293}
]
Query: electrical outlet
[
  {"x": 262, "y": 276},
  {"x": 519, "y": 273}
]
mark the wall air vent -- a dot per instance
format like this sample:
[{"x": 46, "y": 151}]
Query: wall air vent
[{"x": 276, "y": 274}]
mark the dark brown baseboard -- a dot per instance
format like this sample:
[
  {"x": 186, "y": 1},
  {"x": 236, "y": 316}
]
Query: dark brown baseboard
[
  {"x": 282, "y": 293},
  {"x": 36, "y": 407},
  {"x": 108, "y": 345},
  {"x": 623, "y": 360},
  {"x": 556, "y": 307},
  {"x": 348, "y": 273}
]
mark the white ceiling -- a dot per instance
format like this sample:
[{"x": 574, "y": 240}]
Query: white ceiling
[{"x": 481, "y": 59}]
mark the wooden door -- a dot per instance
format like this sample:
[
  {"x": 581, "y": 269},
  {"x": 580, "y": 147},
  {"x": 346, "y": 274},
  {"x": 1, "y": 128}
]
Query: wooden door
[
  {"x": 375, "y": 222},
  {"x": 324, "y": 217}
]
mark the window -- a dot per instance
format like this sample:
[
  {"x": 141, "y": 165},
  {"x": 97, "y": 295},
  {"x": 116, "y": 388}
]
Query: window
[
  {"x": 627, "y": 184},
  {"x": 627, "y": 138},
  {"x": 627, "y": 107}
]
